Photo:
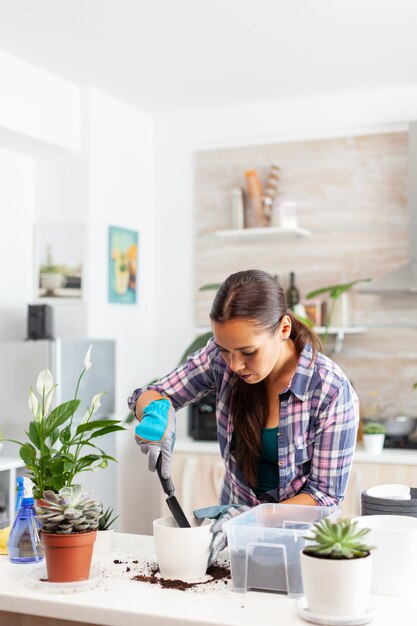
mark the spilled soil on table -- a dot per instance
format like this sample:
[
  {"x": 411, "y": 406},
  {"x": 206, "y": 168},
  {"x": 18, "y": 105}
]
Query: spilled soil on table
[{"x": 215, "y": 572}]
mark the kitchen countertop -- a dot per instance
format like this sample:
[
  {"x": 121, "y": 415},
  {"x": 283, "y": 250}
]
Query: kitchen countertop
[
  {"x": 387, "y": 456},
  {"x": 119, "y": 601},
  {"x": 391, "y": 456}
]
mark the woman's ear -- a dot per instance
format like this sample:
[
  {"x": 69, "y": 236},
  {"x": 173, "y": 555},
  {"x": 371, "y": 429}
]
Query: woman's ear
[{"x": 285, "y": 328}]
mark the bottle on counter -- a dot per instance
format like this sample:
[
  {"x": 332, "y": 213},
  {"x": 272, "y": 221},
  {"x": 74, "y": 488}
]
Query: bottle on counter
[
  {"x": 24, "y": 543},
  {"x": 293, "y": 294},
  {"x": 238, "y": 215}
]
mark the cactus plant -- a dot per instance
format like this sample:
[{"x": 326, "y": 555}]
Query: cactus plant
[
  {"x": 337, "y": 540},
  {"x": 71, "y": 510}
]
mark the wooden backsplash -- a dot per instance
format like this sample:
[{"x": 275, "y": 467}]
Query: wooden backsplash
[{"x": 352, "y": 195}]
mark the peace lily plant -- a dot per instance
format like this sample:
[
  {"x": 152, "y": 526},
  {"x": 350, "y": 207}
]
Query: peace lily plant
[{"x": 58, "y": 449}]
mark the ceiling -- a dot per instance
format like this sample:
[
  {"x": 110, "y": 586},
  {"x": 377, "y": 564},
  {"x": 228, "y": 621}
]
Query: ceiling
[{"x": 166, "y": 56}]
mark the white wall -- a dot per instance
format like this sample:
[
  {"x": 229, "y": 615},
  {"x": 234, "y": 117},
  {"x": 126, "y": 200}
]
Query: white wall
[
  {"x": 17, "y": 184},
  {"x": 120, "y": 157},
  {"x": 84, "y": 157},
  {"x": 177, "y": 137},
  {"x": 37, "y": 104}
]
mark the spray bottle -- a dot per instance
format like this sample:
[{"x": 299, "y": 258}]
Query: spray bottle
[{"x": 24, "y": 544}]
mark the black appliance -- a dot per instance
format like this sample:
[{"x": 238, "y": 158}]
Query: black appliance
[
  {"x": 398, "y": 443},
  {"x": 202, "y": 424},
  {"x": 40, "y": 321}
]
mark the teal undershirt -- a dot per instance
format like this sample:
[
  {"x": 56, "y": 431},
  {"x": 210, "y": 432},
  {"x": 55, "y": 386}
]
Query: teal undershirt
[{"x": 268, "y": 471}]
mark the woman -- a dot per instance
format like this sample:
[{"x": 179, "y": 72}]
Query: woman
[{"x": 287, "y": 416}]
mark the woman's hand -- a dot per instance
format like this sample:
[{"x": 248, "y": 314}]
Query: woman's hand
[
  {"x": 221, "y": 514},
  {"x": 155, "y": 434}
]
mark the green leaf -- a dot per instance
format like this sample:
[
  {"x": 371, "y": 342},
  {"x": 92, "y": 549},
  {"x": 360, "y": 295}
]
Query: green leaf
[
  {"x": 65, "y": 435},
  {"x": 109, "y": 458},
  {"x": 93, "y": 424},
  {"x": 198, "y": 343},
  {"x": 130, "y": 418},
  {"x": 57, "y": 482},
  {"x": 60, "y": 415},
  {"x": 54, "y": 436},
  {"x": 27, "y": 454},
  {"x": 104, "y": 431},
  {"x": 86, "y": 461},
  {"x": 210, "y": 287},
  {"x": 336, "y": 290},
  {"x": 33, "y": 433}
]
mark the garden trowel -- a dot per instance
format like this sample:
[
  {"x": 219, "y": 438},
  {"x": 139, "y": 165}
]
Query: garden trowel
[{"x": 172, "y": 502}]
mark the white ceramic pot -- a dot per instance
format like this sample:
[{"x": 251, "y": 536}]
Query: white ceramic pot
[
  {"x": 373, "y": 443},
  {"x": 104, "y": 541},
  {"x": 395, "y": 557},
  {"x": 182, "y": 553},
  {"x": 52, "y": 280},
  {"x": 338, "y": 587}
]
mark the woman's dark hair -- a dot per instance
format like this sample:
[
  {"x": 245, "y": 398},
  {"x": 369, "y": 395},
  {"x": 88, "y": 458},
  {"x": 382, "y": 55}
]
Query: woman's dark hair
[{"x": 256, "y": 296}]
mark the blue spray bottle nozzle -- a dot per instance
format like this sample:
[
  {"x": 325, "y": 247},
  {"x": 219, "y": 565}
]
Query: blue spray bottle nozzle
[{"x": 20, "y": 491}]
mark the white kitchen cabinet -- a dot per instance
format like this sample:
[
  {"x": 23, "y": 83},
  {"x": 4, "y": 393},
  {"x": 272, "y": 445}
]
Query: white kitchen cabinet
[
  {"x": 198, "y": 471},
  {"x": 365, "y": 475},
  {"x": 197, "y": 479}
]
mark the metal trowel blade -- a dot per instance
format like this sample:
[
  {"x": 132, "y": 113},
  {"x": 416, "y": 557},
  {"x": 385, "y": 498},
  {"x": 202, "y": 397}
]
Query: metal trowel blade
[{"x": 177, "y": 512}]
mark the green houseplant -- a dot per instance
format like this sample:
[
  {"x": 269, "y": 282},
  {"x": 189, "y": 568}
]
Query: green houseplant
[
  {"x": 334, "y": 291},
  {"x": 374, "y": 437},
  {"x": 336, "y": 569},
  {"x": 69, "y": 520},
  {"x": 104, "y": 539},
  {"x": 57, "y": 450},
  {"x": 374, "y": 428},
  {"x": 107, "y": 520}
]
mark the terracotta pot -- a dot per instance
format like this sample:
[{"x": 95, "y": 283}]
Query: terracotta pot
[{"x": 68, "y": 557}]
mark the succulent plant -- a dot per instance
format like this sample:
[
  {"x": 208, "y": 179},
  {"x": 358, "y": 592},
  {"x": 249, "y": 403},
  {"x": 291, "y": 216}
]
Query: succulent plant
[
  {"x": 337, "y": 540},
  {"x": 106, "y": 520},
  {"x": 71, "y": 510}
]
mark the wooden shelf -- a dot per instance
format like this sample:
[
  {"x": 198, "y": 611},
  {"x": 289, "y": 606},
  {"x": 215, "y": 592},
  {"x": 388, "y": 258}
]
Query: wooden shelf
[
  {"x": 340, "y": 330},
  {"x": 256, "y": 233},
  {"x": 339, "y": 333},
  {"x": 320, "y": 330}
]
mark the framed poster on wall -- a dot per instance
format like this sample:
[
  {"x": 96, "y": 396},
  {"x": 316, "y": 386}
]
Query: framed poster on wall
[
  {"x": 59, "y": 258},
  {"x": 123, "y": 263}
]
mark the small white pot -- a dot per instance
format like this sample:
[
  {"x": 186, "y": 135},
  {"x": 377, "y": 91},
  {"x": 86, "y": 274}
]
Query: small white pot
[
  {"x": 182, "y": 553},
  {"x": 337, "y": 587},
  {"x": 104, "y": 541},
  {"x": 373, "y": 443},
  {"x": 395, "y": 539}
]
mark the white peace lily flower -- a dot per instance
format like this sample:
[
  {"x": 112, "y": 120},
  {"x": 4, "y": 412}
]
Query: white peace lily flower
[
  {"x": 33, "y": 403},
  {"x": 95, "y": 402},
  {"x": 44, "y": 383},
  {"x": 49, "y": 401},
  {"x": 87, "y": 359},
  {"x": 86, "y": 417}
]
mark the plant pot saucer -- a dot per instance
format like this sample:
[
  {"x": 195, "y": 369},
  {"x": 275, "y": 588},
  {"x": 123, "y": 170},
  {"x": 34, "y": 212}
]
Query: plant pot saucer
[
  {"x": 37, "y": 579},
  {"x": 331, "y": 620}
]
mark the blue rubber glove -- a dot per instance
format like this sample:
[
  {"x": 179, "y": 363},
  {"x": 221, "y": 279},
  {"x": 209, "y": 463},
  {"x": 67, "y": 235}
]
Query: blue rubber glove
[
  {"x": 221, "y": 514},
  {"x": 155, "y": 434}
]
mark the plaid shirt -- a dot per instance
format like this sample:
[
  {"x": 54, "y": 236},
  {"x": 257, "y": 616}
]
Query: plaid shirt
[{"x": 319, "y": 416}]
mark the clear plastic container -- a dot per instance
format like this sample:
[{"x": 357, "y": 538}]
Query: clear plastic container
[{"x": 265, "y": 545}]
